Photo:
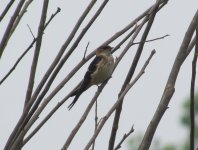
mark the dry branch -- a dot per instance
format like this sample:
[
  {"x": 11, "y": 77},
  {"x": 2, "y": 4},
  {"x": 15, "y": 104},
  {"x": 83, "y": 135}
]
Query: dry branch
[
  {"x": 27, "y": 50},
  {"x": 96, "y": 122},
  {"x": 18, "y": 19},
  {"x": 124, "y": 138},
  {"x": 6, "y": 10},
  {"x": 192, "y": 94},
  {"x": 15, "y": 141},
  {"x": 5, "y": 37},
  {"x": 169, "y": 88}
]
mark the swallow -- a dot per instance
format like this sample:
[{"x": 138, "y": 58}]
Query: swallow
[{"x": 99, "y": 70}]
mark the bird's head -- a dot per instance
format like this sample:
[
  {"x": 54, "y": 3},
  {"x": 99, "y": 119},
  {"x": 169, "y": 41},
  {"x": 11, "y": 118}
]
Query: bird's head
[{"x": 104, "y": 50}]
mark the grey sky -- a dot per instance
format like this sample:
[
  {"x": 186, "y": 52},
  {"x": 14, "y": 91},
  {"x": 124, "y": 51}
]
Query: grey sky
[{"x": 140, "y": 103}]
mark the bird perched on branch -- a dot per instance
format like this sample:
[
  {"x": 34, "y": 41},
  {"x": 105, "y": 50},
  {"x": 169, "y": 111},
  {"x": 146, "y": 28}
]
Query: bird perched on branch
[{"x": 98, "y": 71}]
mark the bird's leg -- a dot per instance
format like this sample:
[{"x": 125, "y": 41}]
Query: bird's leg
[{"x": 99, "y": 86}]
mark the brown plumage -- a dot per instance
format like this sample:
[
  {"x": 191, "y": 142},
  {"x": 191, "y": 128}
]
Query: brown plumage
[{"x": 98, "y": 71}]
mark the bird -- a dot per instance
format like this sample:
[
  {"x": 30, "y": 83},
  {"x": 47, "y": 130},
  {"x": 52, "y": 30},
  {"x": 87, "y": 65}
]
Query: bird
[{"x": 99, "y": 70}]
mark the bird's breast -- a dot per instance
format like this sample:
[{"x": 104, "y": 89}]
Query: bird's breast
[{"x": 103, "y": 72}]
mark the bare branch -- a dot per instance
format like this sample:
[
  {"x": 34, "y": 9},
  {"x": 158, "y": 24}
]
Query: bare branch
[
  {"x": 169, "y": 88},
  {"x": 37, "y": 51},
  {"x": 124, "y": 138},
  {"x": 6, "y": 10},
  {"x": 16, "y": 140},
  {"x": 192, "y": 94},
  {"x": 22, "y": 55},
  {"x": 84, "y": 116},
  {"x": 16, "y": 63},
  {"x": 31, "y": 31},
  {"x": 9, "y": 27},
  {"x": 159, "y": 38},
  {"x": 21, "y": 14},
  {"x": 86, "y": 51},
  {"x": 134, "y": 22},
  {"x": 191, "y": 45},
  {"x": 96, "y": 121},
  {"x": 52, "y": 16},
  {"x": 46, "y": 118}
]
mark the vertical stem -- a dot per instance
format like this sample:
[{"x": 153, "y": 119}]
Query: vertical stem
[
  {"x": 192, "y": 95},
  {"x": 36, "y": 52},
  {"x": 96, "y": 121}
]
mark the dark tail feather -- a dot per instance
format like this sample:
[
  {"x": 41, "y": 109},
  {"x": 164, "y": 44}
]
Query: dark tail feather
[
  {"x": 73, "y": 102},
  {"x": 78, "y": 91}
]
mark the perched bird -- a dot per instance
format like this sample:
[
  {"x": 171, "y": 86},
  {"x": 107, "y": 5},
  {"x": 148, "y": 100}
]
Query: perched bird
[{"x": 98, "y": 71}]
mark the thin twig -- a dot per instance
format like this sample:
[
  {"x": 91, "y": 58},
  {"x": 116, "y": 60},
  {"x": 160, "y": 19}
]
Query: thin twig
[
  {"x": 96, "y": 122},
  {"x": 159, "y": 38},
  {"x": 133, "y": 23},
  {"x": 192, "y": 95},
  {"x": 5, "y": 37},
  {"x": 85, "y": 51},
  {"x": 46, "y": 118},
  {"x": 117, "y": 103},
  {"x": 25, "y": 112},
  {"x": 124, "y": 138},
  {"x": 20, "y": 15},
  {"x": 52, "y": 16},
  {"x": 31, "y": 31},
  {"x": 22, "y": 55},
  {"x": 18, "y": 60},
  {"x": 6, "y": 10}
]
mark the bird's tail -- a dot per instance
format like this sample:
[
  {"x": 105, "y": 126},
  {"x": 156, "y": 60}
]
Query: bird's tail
[
  {"x": 74, "y": 101},
  {"x": 78, "y": 91}
]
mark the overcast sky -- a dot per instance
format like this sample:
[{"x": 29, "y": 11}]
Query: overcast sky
[{"x": 140, "y": 103}]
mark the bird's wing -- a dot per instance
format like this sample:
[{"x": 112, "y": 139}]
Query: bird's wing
[
  {"x": 93, "y": 66},
  {"x": 86, "y": 83},
  {"x": 91, "y": 69},
  {"x": 87, "y": 77}
]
